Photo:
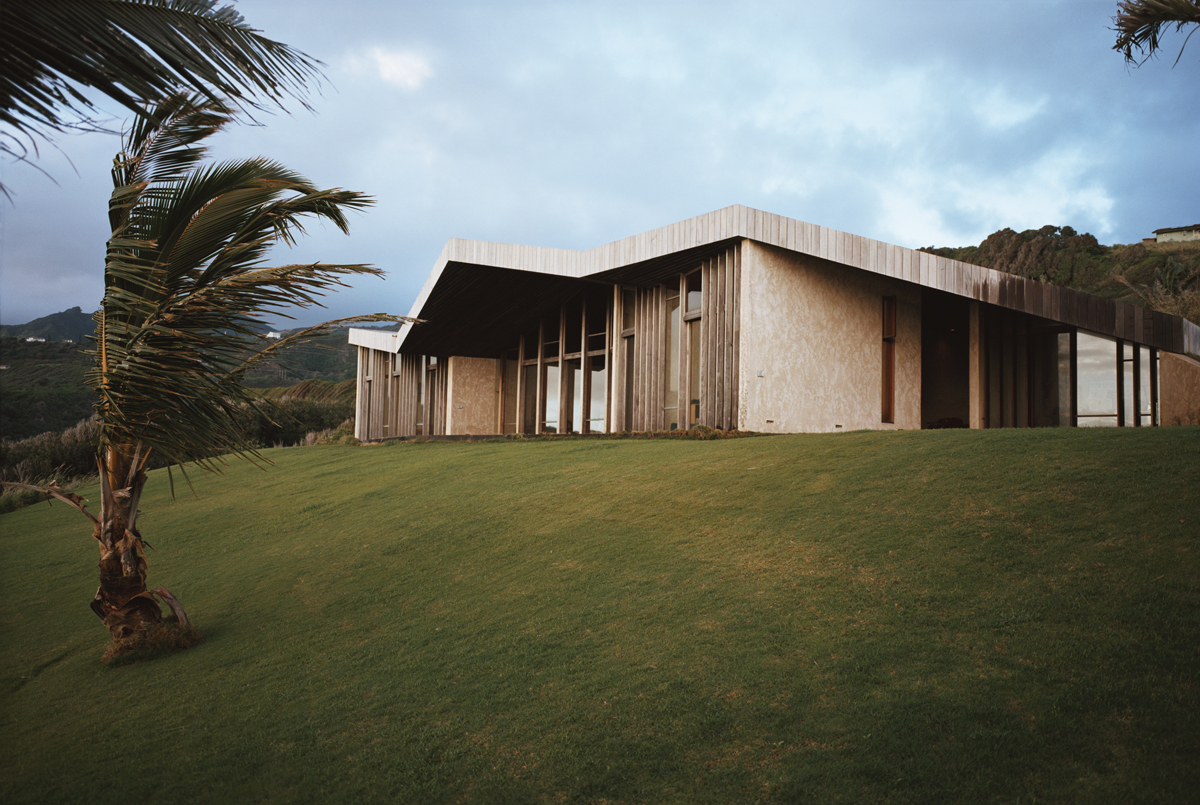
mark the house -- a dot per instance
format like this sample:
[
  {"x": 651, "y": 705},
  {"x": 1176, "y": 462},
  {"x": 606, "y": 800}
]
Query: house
[
  {"x": 748, "y": 320},
  {"x": 1177, "y": 233}
]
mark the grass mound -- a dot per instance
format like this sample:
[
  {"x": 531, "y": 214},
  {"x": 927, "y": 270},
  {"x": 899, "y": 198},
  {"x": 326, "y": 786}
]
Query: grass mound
[{"x": 909, "y": 617}]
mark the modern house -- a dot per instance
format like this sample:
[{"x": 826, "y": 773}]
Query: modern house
[{"x": 748, "y": 320}]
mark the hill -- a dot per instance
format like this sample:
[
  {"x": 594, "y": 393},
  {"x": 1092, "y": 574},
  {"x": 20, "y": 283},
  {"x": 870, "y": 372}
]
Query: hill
[
  {"x": 69, "y": 325},
  {"x": 1062, "y": 256},
  {"x": 43, "y": 390},
  {"x": 911, "y": 617}
]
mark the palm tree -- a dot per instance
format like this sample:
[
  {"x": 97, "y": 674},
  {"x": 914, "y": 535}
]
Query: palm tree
[
  {"x": 184, "y": 285},
  {"x": 1140, "y": 21},
  {"x": 136, "y": 52}
]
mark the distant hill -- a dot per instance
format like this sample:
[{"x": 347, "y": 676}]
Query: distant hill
[
  {"x": 70, "y": 325},
  {"x": 1062, "y": 256},
  {"x": 43, "y": 390}
]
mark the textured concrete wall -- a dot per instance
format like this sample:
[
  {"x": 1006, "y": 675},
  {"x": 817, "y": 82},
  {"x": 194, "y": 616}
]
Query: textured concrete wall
[
  {"x": 1178, "y": 389},
  {"x": 813, "y": 329},
  {"x": 472, "y": 397}
]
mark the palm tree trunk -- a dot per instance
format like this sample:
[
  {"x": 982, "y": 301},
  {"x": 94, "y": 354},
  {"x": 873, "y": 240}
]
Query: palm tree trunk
[{"x": 122, "y": 601}]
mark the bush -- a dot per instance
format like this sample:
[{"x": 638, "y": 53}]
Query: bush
[
  {"x": 290, "y": 421},
  {"x": 63, "y": 456}
]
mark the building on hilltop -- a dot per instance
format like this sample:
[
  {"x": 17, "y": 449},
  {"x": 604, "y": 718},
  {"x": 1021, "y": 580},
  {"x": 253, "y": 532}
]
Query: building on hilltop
[
  {"x": 741, "y": 319},
  {"x": 1177, "y": 233}
]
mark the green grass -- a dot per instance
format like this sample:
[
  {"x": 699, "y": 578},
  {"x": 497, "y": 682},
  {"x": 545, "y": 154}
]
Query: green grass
[{"x": 947, "y": 616}]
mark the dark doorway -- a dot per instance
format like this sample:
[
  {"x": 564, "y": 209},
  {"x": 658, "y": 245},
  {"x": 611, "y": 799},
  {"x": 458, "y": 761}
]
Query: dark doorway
[{"x": 945, "y": 360}]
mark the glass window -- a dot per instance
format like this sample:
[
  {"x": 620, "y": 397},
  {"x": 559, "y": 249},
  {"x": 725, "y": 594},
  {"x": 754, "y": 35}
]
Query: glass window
[
  {"x": 693, "y": 373},
  {"x": 628, "y": 308},
  {"x": 598, "y": 408},
  {"x": 694, "y": 296},
  {"x": 671, "y": 364},
  {"x": 597, "y": 313},
  {"x": 1128, "y": 382},
  {"x": 550, "y": 389},
  {"x": 888, "y": 392},
  {"x": 1145, "y": 396},
  {"x": 1096, "y": 380},
  {"x": 630, "y": 354},
  {"x": 574, "y": 407},
  {"x": 421, "y": 395},
  {"x": 551, "y": 330},
  {"x": 573, "y": 336}
]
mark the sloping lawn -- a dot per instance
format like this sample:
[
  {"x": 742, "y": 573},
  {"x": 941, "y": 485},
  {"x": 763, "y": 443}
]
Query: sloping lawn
[{"x": 950, "y": 616}]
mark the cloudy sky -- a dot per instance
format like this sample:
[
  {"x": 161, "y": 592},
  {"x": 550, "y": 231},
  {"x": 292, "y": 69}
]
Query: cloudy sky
[{"x": 573, "y": 124}]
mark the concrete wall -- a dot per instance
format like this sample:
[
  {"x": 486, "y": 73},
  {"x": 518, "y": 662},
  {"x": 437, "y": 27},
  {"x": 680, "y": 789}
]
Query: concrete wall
[
  {"x": 1178, "y": 389},
  {"x": 813, "y": 328},
  {"x": 472, "y": 397}
]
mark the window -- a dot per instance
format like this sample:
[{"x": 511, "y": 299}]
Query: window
[
  {"x": 556, "y": 380},
  {"x": 1147, "y": 387},
  {"x": 1096, "y": 373},
  {"x": 671, "y": 362},
  {"x": 888, "y": 392}
]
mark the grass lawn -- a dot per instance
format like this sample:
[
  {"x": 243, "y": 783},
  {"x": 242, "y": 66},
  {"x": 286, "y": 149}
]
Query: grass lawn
[{"x": 947, "y": 616}]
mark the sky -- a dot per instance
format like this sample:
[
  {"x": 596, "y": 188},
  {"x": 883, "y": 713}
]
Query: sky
[{"x": 574, "y": 124}]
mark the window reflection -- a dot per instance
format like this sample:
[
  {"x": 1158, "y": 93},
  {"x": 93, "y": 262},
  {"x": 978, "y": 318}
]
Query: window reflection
[
  {"x": 574, "y": 397},
  {"x": 693, "y": 291},
  {"x": 694, "y": 347},
  {"x": 671, "y": 364},
  {"x": 1096, "y": 380},
  {"x": 1145, "y": 393},
  {"x": 550, "y": 423},
  {"x": 598, "y": 412}
]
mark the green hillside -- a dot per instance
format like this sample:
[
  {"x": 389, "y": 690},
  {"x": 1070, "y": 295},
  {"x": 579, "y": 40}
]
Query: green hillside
[
  {"x": 940, "y": 616},
  {"x": 69, "y": 325},
  {"x": 42, "y": 389},
  {"x": 1062, "y": 256}
]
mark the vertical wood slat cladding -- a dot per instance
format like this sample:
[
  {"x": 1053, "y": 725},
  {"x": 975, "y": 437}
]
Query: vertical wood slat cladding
[
  {"x": 708, "y": 362},
  {"x": 388, "y": 395},
  {"x": 436, "y": 410},
  {"x": 719, "y": 328}
]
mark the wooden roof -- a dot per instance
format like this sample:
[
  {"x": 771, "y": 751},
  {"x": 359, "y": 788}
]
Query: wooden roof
[{"x": 479, "y": 291}]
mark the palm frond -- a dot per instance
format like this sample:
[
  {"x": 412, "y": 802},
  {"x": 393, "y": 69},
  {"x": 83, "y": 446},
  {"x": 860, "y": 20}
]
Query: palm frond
[
  {"x": 185, "y": 287},
  {"x": 135, "y": 52},
  {"x": 1140, "y": 22}
]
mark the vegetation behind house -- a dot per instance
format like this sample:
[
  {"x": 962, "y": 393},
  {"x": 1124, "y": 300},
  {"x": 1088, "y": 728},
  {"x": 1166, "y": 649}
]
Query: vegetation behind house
[{"x": 1061, "y": 256}]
